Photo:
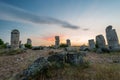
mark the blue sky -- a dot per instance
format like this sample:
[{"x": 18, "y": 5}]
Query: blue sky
[{"x": 41, "y": 20}]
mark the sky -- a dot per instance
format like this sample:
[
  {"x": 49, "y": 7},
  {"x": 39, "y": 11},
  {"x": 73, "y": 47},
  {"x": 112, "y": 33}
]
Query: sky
[{"x": 42, "y": 20}]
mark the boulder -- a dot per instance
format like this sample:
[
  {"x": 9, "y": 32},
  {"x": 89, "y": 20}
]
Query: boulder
[
  {"x": 74, "y": 58},
  {"x": 38, "y": 66},
  {"x": 58, "y": 57},
  {"x": 84, "y": 48},
  {"x": 71, "y": 49},
  {"x": 103, "y": 50}
]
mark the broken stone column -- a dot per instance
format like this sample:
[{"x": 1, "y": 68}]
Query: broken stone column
[
  {"x": 68, "y": 42},
  {"x": 100, "y": 41},
  {"x": 29, "y": 41},
  {"x": 15, "y": 34},
  {"x": 112, "y": 38},
  {"x": 57, "y": 41},
  {"x": 91, "y": 44}
]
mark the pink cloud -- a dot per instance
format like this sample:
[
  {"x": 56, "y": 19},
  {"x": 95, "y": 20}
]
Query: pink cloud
[
  {"x": 47, "y": 39},
  {"x": 51, "y": 38}
]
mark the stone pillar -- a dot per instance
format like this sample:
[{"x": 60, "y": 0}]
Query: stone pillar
[
  {"x": 91, "y": 44},
  {"x": 57, "y": 41},
  {"x": 15, "y": 34},
  {"x": 29, "y": 41},
  {"x": 112, "y": 38},
  {"x": 100, "y": 41},
  {"x": 68, "y": 42}
]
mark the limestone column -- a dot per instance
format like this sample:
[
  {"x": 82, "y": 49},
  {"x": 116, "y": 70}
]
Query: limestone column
[
  {"x": 57, "y": 41},
  {"x": 29, "y": 41},
  {"x": 15, "y": 35},
  {"x": 91, "y": 44},
  {"x": 112, "y": 38},
  {"x": 100, "y": 41},
  {"x": 68, "y": 42}
]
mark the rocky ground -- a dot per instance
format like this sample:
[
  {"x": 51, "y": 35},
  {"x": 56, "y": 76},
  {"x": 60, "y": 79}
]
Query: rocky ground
[{"x": 13, "y": 64}]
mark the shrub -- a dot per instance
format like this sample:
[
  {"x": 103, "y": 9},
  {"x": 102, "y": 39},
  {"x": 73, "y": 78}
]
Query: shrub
[
  {"x": 2, "y": 45},
  {"x": 28, "y": 46},
  {"x": 63, "y": 45},
  {"x": 1, "y": 42}
]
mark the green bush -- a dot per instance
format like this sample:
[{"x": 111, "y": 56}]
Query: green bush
[
  {"x": 28, "y": 46},
  {"x": 1, "y": 42},
  {"x": 52, "y": 46},
  {"x": 63, "y": 45},
  {"x": 2, "y": 45}
]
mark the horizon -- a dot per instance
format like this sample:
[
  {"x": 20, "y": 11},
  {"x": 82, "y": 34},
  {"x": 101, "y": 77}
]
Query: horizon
[{"x": 42, "y": 20}]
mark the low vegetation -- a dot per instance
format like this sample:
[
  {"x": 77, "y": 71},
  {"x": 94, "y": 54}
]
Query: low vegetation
[
  {"x": 10, "y": 52},
  {"x": 63, "y": 45},
  {"x": 2, "y": 45},
  {"x": 28, "y": 46},
  {"x": 93, "y": 72}
]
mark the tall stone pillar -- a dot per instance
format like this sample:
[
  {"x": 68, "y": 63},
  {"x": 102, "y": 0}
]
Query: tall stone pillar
[
  {"x": 57, "y": 41},
  {"x": 112, "y": 38},
  {"x": 100, "y": 41},
  {"x": 68, "y": 42},
  {"x": 91, "y": 44},
  {"x": 15, "y": 35},
  {"x": 29, "y": 41}
]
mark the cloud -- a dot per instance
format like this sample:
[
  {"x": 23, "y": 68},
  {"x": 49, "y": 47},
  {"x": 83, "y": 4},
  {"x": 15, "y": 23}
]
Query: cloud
[
  {"x": 52, "y": 37},
  {"x": 86, "y": 29},
  {"x": 9, "y": 12}
]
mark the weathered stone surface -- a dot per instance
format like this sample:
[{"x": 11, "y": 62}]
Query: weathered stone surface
[
  {"x": 74, "y": 58},
  {"x": 58, "y": 57},
  {"x": 84, "y": 48},
  {"x": 29, "y": 41},
  {"x": 83, "y": 53},
  {"x": 68, "y": 42},
  {"x": 91, "y": 44},
  {"x": 103, "y": 50},
  {"x": 15, "y": 34},
  {"x": 100, "y": 41},
  {"x": 112, "y": 39},
  {"x": 37, "y": 67},
  {"x": 57, "y": 41}
]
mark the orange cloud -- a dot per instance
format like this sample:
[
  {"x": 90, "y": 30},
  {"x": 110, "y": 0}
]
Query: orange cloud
[
  {"x": 51, "y": 38},
  {"x": 47, "y": 40}
]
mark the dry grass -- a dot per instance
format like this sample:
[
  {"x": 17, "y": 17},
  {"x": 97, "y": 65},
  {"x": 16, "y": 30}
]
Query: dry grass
[
  {"x": 94, "y": 72},
  {"x": 101, "y": 67}
]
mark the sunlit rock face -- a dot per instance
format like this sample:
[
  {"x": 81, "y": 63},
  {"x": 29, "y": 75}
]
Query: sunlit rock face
[
  {"x": 112, "y": 38},
  {"x": 15, "y": 35}
]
